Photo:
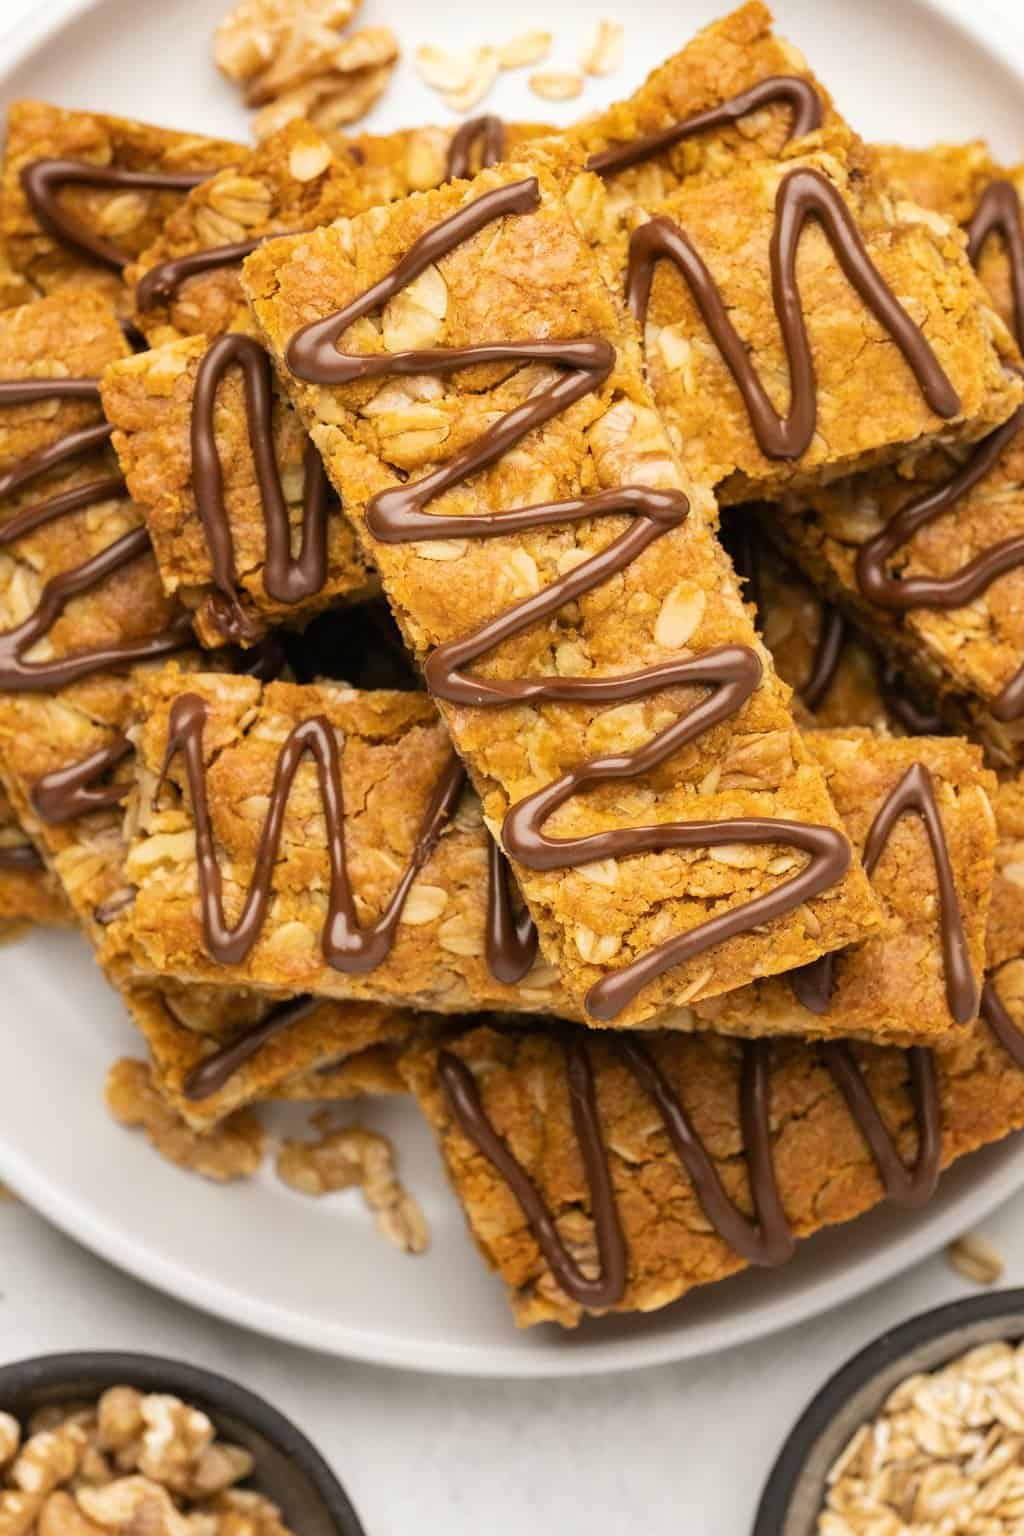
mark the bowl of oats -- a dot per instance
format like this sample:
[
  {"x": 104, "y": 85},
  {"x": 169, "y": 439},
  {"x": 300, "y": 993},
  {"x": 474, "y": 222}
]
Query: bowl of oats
[
  {"x": 922, "y": 1431},
  {"x": 115, "y": 1442}
]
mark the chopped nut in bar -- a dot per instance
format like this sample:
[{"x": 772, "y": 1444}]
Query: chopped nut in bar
[
  {"x": 249, "y": 534},
  {"x": 927, "y": 556},
  {"x": 492, "y": 271},
  {"x": 835, "y": 1129},
  {"x": 399, "y": 913},
  {"x": 79, "y": 226},
  {"x": 919, "y": 811}
]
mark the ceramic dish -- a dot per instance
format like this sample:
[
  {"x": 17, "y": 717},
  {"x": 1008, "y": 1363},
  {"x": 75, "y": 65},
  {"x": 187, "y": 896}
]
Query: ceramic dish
[{"x": 316, "y": 1273}]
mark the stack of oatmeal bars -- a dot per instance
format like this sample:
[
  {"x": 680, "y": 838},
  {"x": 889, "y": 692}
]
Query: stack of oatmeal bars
[{"x": 533, "y": 621}]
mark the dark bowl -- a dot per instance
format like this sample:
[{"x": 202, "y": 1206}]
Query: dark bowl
[
  {"x": 795, "y": 1490},
  {"x": 289, "y": 1469}
]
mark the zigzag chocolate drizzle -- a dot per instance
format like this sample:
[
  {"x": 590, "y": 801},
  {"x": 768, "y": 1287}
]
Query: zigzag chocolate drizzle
[
  {"x": 41, "y": 180},
  {"x": 487, "y": 132},
  {"x": 287, "y": 579},
  {"x": 213, "y": 1074},
  {"x": 802, "y": 194},
  {"x": 766, "y": 1241},
  {"x": 997, "y": 1016},
  {"x": 731, "y": 672},
  {"x": 915, "y": 792},
  {"x": 999, "y": 212},
  {"x": 788, "y": 89},
  {"x": 76, "y": 790},
  {"x": 21, "y": 860},
  {"x": 33, "y": 676}
]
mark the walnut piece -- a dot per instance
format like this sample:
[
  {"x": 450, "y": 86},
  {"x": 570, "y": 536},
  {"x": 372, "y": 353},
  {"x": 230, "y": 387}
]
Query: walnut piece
[
  {"x": 343, "y": 1156},
  {"x": 233, "y": 1150}
]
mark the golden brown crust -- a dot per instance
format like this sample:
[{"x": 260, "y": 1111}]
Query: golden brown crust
[
  {"x": 533, "y": 276},
  {"x": 27, "y": 896},
  {"x": 37, "y": 130},
  {"x": 393, "y": 750},
  {"x": 292, "y": 181},
  {"x": 825, "y": 1170},
  {"x": 892, "y": 988},
  {"x": 149, "y": 398}
]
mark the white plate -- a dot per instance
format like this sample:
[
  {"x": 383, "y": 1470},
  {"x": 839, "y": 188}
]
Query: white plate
[{"x": 315, "y": 1273}]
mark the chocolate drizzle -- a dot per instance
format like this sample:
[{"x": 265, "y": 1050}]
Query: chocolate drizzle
[
  {"x": 803, "y": 194},
  {"x": 33, "y": 676},
  {"x": 999, "y": 212},
  {"x": 42, "y": 179},
  {"x": 731, "y": 673},
  {"x": 487, "y": 133},
  {"x": 608, "y": 1285},
  {"x": 160, "y": 284},
  {"x": 21, "y": 860},
  {"x": 286, "y": 578},
  {"x": 213, "y": 1074},
  {"x": 911, "y": 1187},
  {"x": 67, "y": 793},
  {"x": 768, "y": 1240},
  {"x": 511, "y": 940},
  {"x": 997, "y": 1016},
  {"x": 790, "y": 90},
  {"x": 346, "y": 946},
  {"x": 827, "y": 653},
  {"x": 914, "y": 792}
]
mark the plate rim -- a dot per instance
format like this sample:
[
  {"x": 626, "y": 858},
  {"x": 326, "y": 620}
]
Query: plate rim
[{"x": 987, "y": 22}]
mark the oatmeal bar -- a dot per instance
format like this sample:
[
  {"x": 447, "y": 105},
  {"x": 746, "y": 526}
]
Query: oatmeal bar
[
  {"x": 244, "y": 526},
  {"x": 65, "y": 224},
  {"x": 565, "y": 617},
  {"x": 928, "y": 555},
  {"x": 186, "y": 281},
  {"x": 378, "y": 886},
  {"x": 215, "y": 1049},
  {"x": 867, "y": 356},
  {"x": 643, "y": 151},
  {"x": 29, "y": 893},
  {"x": 919, "y": 812},
  {"x": 780, "y": 1139}
]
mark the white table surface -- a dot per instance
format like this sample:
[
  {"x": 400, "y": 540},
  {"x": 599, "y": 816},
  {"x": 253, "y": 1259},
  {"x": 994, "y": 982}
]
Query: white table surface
[{"x": 678, "y": 1451}]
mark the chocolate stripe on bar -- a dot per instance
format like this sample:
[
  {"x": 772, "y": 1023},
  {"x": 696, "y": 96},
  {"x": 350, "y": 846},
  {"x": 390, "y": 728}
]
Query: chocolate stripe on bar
[
  {"x": 768, "y": 1240},
  {"x": 910, "y": 1187},
  {"x": 346, "y": 946},
  {"x": 803, "y": 194},
  {"x": 609, "y": 1284},
  {"x": 41, "y": 180},
  {"x": 915, "y": 792},
  {"x": 827, "y": 653},
  {"x": 22, "y": 860},
  {"x": 789, "y": 90},
  {"x": 997, "y": 1016},
  {"x": 511, "y": 939},
  {"x": 213, "y": 1074},
  {"x": 286, "y": 578},
  {"x": 67, "y": 793},
  {"x": 33, "y": 676},
  {"x": 486, "y": 133},
  {"x": 998, "y": 213},
  {"x": 731, "y": 672},
  {"x": 160, "y": 284}
]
